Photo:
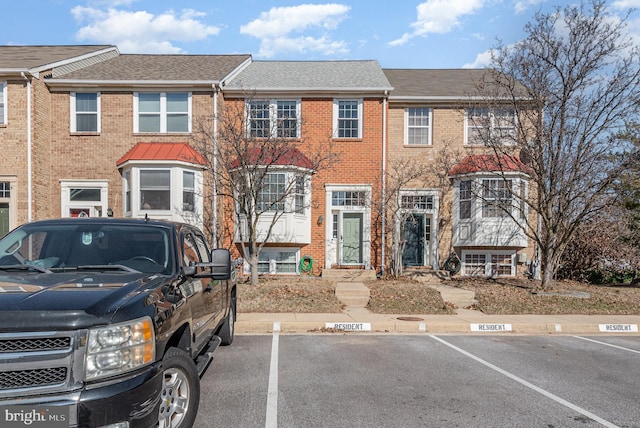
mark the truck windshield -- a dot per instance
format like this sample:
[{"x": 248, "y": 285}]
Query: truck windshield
[{"x": 143, "y": 248}]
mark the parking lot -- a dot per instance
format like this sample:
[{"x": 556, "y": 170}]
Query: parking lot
[{"x": 366, "y": 380}]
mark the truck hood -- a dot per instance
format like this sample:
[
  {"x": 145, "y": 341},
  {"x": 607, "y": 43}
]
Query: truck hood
[{"x": 74, "y": 299}]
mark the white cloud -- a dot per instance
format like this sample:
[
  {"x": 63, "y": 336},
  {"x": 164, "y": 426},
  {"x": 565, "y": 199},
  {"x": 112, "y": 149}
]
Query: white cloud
[
  {"x": 141, "y": 31},
  {"x": 626, "y": 4},
  {"x": 521, "y": 6},
  {"x": 483, "y": 60},
  {"x": 275, "y": 28},
  {"x": 439, "y": 16}
]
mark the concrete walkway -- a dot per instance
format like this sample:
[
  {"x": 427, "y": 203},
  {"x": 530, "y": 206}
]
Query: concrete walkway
[{"x": 356, "y": 318}]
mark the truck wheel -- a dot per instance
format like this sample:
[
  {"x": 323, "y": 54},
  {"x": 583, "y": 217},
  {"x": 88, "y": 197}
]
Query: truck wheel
[
  {"x": 227, "y": 329},
  {"x": 180, "y": 394}
]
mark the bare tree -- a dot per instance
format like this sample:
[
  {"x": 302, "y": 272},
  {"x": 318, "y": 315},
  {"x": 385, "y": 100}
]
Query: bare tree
[
  {"x": 263, "y": 171},
  {"x": 573, "y": 83}
]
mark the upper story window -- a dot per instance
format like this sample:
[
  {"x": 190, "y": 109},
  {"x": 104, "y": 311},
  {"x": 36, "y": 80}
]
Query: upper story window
[
  {"x": 272, "y": 193},
  {"x": 3, "y": 103},
  {"x": 85, "y": 112},
  {"x": 347, "y": 118},
  {"x": 465, "y": 199},
  {"x": 298, "y": 194},
  {"x": 418, "y": 126},
  {"x": 155, "y": 189},
  {"x": 162, "y": 112},
  {"x": 274, "y": 118},
  {"x": 484, "y": 125},
  {"x": 496, "y": 198},
  {"x": 188, "y": 191}
]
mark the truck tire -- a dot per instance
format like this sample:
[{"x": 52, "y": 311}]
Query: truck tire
[
  {"x": 228, "y": 327},
  {"x": 180, "y": 394}
]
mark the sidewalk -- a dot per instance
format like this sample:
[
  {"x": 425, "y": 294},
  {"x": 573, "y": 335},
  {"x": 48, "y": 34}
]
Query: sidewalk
[{"x": 356, "y": 318}]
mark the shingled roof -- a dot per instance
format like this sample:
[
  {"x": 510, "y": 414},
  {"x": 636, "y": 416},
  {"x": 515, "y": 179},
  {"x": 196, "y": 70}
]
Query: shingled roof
[
  {"x": 438, "y": 84},
  {"x": 310, "y": 76},
  {"x": 38, "y": 57},
  {"x": 167, "y": 68}
]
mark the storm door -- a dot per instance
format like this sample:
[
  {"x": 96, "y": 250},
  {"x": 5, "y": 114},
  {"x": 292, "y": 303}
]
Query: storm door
[{"x": 351, "y": 238}]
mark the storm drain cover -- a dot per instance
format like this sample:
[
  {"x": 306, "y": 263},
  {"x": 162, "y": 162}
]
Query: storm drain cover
[{"x": 410, "y": 319}]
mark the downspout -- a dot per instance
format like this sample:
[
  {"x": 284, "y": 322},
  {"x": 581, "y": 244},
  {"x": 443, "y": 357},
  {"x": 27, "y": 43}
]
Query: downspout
[
  {"x": 29, "y": 151},
  {"x": 215, "y": 165},
  {"x": 384, "y": 178}
]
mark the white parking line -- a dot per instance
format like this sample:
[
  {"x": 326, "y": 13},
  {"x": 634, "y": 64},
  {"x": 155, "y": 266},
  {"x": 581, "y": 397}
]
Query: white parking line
[
  {"x": 530, "y": 385},
  {"x": 272, "y": 391},
  {"x": 607, "y": 344}
]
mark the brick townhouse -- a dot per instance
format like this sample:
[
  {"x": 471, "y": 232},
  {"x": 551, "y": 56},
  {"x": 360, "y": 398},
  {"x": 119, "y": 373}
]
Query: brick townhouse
[
  {"x": 435, "y": 116},
  {"x": 86, "y": 130}
]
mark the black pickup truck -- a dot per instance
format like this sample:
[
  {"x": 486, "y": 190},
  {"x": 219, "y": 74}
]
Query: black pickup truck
[{"x": 109, "y": 322}]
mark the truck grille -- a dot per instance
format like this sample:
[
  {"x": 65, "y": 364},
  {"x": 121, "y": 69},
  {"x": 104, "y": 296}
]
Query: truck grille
[
  {"x": 33, "y": 378},
  {"x": 40, "y": 362},
  {"x": 30, "y": 345}
]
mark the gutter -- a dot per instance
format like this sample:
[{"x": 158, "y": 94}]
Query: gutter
[
  {"x": 384, "y": 179},
  {"x": 29, "y": 152}
]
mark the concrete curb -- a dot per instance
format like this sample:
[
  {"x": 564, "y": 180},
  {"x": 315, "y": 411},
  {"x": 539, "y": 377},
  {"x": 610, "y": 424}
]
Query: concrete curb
[{"x": 436, "y": 324}]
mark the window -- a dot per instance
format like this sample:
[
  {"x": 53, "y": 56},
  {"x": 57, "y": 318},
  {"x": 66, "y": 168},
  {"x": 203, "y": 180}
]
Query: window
[
  {"x": 83, "y": 198},
  {"x": 155, "y": 189},
  {"x": 348, "y": 198},
  {"x": 418, "y": 121},
  {"x": 496, "y": 198},
  {"x": 298, "y": 194},
  {"x": 85, "y": 112},
  {"x": 5, "y": 189},
  {"x": 274, "y": 118},
  {"x": 490, "y": 125},
  {"x": 3, "y": 103},
  {"x": 474, "y": 264},
  {"x": 347, "y": 118},
  {"x": 417, "y": 202},
  {"x": 465, "y": 199},
  {"x": 271, "y": 196},
  {"x": 188, "y": 191},
  {"x": 162, "y": 112},
  {"x": 126, "y": 175},
  {"x": 287, "y": 120},
  {"x": 259, "y": 122},
  {"x": 277, "y": 261},
  {"x": 489, "y": 263}
]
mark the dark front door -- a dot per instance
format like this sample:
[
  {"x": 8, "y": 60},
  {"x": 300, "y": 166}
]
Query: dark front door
[{"x": 413, "y": 253}]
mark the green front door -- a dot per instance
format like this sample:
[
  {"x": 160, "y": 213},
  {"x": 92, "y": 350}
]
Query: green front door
[
  {"x": 4, "y": 219},
  {"x": 352, "y": 238}
]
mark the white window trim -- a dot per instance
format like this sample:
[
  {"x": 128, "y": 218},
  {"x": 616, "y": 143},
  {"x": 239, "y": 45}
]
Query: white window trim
[
  {"x": 73, "y": 118},
  {"x": 163, "y": 113},
  {"x": 65, "y": 196},
  {"x": 492, "y": 127},
  {"x": 335, "y": 118},
  {"x": 488, "y": 254},
  {"x": 273, "y": 116},
  {"x": 477, "y": 182},
  {"x": 406, "y": 127},
  {"x": 272, "y": 251},
  {"x": 3, "y": 96}
]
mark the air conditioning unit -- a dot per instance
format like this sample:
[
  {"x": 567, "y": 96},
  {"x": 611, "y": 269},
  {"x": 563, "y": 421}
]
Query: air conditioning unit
[{"x": 522, "y": 258}]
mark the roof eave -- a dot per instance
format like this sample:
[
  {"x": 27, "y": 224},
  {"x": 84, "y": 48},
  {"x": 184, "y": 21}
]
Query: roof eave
[{"x": 71, "y": 83}]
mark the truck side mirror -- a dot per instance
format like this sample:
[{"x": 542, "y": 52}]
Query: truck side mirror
[{"x": 220, "y": 263}]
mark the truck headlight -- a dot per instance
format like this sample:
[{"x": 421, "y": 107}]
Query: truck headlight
[{"x": 119, "y": 348}]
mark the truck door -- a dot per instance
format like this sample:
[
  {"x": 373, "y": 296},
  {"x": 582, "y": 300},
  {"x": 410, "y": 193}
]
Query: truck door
[{"x": 206, "y": 294}]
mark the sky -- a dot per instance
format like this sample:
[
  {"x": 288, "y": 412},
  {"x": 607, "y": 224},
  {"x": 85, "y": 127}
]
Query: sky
[{"x": 396, "y": 33}]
